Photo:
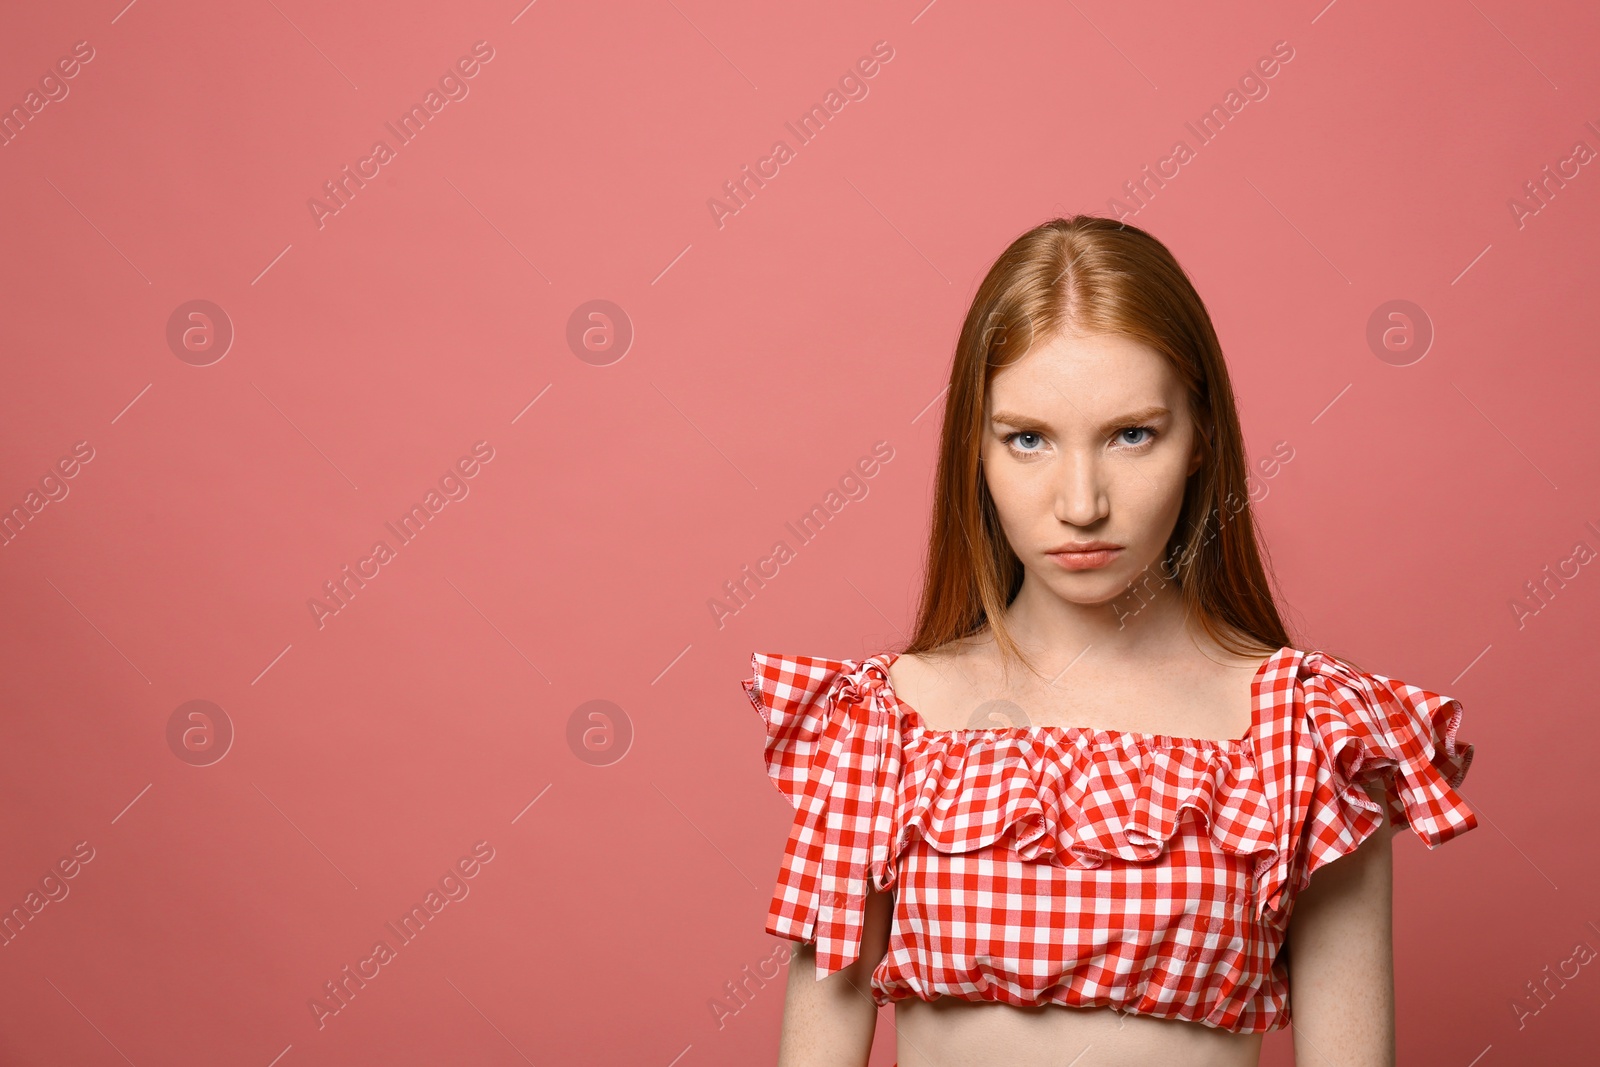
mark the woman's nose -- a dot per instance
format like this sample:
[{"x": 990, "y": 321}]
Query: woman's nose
[{"x": 1081, "y": 491}]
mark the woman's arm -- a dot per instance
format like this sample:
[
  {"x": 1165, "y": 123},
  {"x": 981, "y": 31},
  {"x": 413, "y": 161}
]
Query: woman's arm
[
  {"x": 830, "y": 1023},
  {"x": 1341, "y": 957}
]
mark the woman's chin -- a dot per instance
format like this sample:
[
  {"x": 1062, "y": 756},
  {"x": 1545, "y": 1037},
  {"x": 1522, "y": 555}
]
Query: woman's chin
[{"x": 1088, "y": 589}]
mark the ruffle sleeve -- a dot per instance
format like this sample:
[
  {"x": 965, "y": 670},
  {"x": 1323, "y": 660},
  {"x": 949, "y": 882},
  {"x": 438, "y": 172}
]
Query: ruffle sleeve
[
  {"x": 1336, "y": 730},
  {"x": 833, "y": 751}
]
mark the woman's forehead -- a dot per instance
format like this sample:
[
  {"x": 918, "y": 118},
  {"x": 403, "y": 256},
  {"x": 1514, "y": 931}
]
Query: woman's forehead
[{"x": 1094, "y": 376}]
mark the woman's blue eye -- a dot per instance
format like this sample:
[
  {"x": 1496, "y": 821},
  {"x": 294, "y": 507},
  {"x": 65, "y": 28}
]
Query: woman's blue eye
[
  {"x": 1138, "y": 429},
  {"x": 1010, "y": 437}
]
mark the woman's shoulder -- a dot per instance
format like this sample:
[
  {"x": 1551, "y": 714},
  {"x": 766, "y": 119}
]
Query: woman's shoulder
[{"x": 934, "y": 681}]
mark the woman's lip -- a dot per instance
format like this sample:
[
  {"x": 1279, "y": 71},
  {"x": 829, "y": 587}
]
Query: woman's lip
[{"x": 1084, "y": 561}]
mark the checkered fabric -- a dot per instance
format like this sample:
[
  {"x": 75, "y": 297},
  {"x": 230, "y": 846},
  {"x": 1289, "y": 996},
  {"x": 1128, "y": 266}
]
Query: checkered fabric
[{"x": 1031, "y": 865}]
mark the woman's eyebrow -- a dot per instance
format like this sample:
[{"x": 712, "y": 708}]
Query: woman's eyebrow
[{"x": 1028, "y": 422}]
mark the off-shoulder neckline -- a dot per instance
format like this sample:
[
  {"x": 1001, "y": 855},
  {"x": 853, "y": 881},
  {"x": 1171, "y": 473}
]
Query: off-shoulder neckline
[{"x": 1257, "y": 683}]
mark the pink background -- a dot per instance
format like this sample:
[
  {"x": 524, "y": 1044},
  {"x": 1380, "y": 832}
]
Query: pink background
[{"x": 769, "y": 354}]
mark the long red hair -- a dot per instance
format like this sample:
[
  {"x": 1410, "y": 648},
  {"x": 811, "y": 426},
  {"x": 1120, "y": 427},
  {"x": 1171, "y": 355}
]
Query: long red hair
[{"x": 1093, "y": 275}]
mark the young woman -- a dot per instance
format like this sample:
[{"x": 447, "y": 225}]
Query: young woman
[{"x": 1081, "y": 811}]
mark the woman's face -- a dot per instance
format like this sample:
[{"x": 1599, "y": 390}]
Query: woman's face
[{"x": 1089, "y": 439}]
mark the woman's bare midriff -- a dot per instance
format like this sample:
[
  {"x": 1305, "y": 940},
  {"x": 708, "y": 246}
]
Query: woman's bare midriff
[{"x": 950, "y": 1032}]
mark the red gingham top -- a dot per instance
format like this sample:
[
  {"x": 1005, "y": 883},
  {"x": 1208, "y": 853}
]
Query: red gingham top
[{"x": 1053, "y": 864}]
